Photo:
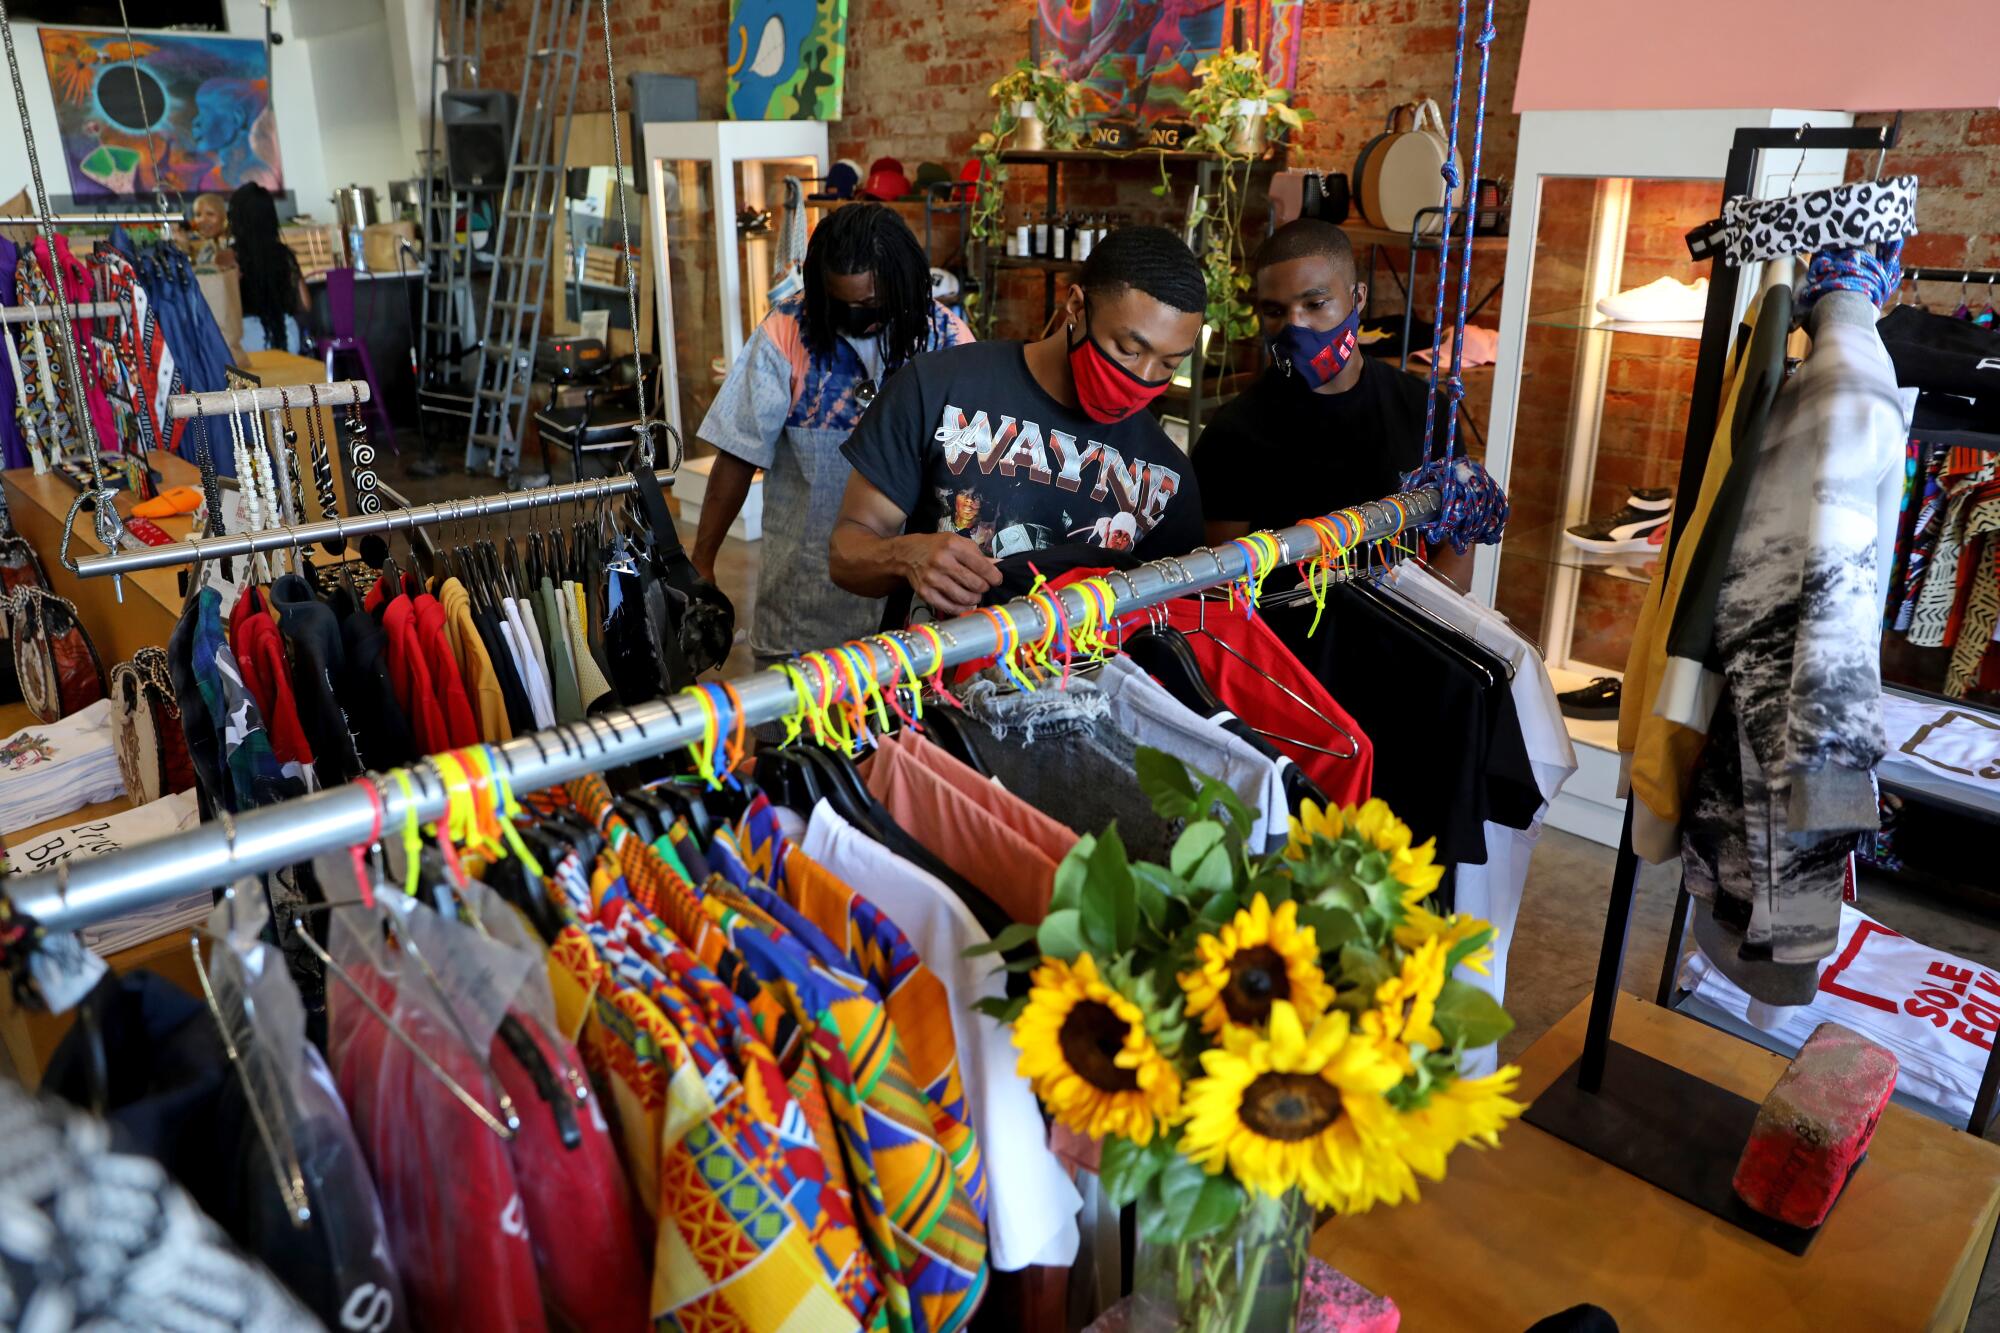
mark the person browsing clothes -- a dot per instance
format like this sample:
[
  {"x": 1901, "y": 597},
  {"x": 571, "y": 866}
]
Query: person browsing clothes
[
  {"x": 1324, "y": 427},
  {"x": 803, "y": 381},
  {"x": 1001, "y": 448}
]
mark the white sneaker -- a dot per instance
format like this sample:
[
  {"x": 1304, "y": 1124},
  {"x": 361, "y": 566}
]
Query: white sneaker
[{"x": 1662, "y": 301}]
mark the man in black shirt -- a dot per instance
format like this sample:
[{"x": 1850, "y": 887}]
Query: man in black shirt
[
  {"x": 1325, "y": 427},
  {"x": 981, "y": 451}
]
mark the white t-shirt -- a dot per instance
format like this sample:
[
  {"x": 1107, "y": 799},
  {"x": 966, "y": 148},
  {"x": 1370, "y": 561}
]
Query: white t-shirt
[
  {"x": 1031, "y": 1201},
  {"x": 50, "y": 769},
  {"x": 127, "y": 828},
  {"x": 1937, "y": 1013}
]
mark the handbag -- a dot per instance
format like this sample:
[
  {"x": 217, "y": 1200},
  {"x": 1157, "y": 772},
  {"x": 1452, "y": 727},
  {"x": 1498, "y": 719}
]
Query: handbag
[
  {"x": 1398, "y": 173},
  {"x": 19, "y": 568},
  {"x": 57, "y": 663},
  {"x": 1325, "y": 197},
  {"x": 146, "y": 728}
]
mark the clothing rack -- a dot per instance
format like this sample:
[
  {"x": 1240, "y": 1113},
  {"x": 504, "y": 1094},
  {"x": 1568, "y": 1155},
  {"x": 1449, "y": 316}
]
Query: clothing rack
[
  {"x": 1673, "y": 1129},
  {"x": 78, "y": 894},
  {"x": 33, "y": 314},
  {"x": 197, "y": 549},
  {"x": 228, "y": 402},
  {"x": 97, "y": 220},
  {"x": 1960, "y": 276}
]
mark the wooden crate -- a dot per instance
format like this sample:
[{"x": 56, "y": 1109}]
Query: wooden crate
[
  {"x": 601, "y": 263},
  {"x": 313, "y": 245}
]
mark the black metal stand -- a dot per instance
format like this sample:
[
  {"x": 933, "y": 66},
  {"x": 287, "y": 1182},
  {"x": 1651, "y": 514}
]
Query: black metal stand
[{"x": 1661, "y": 1124}]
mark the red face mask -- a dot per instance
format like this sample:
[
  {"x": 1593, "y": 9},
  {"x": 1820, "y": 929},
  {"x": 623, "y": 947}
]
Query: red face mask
[{"x": 1105, "y": 390}]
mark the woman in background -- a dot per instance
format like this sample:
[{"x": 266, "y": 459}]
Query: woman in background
[
  {"x": 208, "y": 227},
  {"x": 275, "y": 299}
]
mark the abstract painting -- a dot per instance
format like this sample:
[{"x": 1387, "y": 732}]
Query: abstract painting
[
  {"x": 203, "y": 104},
  {"x": 1137, "y": 59},
  {"x": 787, "y": 59}
]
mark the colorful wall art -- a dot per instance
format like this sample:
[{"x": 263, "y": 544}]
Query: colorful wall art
[
  {"x": 787, "y": 59},
  {"x": 206, "y": 102},
  {"x": 1137, "y": 59}
]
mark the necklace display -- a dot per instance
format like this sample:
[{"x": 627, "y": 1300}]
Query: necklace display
[
  {"x": 361, "y": 462},
  {"x": 322, "y": 464}
]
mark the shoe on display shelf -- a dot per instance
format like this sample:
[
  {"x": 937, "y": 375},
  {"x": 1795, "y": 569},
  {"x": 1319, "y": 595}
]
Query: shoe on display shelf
[
  {"x": 1662, "y": 301},
  {"x": 1631, "y": 531},
  {"x": 1595, "y": 702}
]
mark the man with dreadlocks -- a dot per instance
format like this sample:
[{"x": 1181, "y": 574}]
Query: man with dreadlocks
[{"x": 801, "y": 385}]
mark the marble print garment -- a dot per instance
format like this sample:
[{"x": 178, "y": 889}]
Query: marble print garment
[{"x": 1797, "y": 625}]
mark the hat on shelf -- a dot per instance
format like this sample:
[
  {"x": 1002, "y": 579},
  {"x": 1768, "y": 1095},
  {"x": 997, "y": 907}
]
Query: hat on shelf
[
  {"x": 886, "y": 180},
  {"x": 930, "y": 174},
  {"x": 840, "y": 181}
]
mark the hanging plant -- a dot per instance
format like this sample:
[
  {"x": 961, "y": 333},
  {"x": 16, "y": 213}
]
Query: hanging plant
[
  {"x": 1058, "y": 106},
  {"x": 1235, "y": 110}
]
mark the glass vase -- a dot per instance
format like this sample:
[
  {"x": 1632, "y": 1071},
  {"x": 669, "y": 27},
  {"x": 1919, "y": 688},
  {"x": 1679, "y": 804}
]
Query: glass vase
[{"x": 1242, "y": 1279}]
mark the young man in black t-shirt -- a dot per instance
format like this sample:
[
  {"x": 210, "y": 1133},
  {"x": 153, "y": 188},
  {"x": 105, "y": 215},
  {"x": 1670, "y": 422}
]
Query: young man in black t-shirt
[
  {"x": 979, "y": 452},
  {"x": 1325, "y": 427}
]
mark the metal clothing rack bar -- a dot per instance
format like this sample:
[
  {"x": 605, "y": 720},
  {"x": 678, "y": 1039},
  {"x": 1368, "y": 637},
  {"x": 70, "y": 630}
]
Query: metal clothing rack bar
[
  {"x": 34, "y": 314},
  {"x": 96, "y": 220},
  {"x": 339, "y": 529},
  {"x": 226, "y": 402},
  {"x": 1953, "y": 276},
  {"x": 81, "y": 893}
]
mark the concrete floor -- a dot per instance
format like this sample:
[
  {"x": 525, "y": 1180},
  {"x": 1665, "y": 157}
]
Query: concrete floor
[{"x": 1557, "y": 939}]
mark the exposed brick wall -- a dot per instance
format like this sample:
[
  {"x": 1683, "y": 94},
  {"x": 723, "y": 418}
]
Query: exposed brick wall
[{"x": 1956, "y": 157}]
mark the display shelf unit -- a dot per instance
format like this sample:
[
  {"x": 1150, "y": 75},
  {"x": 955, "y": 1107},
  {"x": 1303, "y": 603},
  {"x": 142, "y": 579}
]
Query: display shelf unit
[
  {"x": 1584, "y": 408},
  {"x": 712, "y": 284}
]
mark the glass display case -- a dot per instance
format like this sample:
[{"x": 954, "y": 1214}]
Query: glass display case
[
  {"x": 716, "y": 195},
  {"x": 1600, "y": 329}
]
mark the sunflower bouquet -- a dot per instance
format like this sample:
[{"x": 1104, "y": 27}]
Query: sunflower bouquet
[{"x": 1251, "y": 1039}]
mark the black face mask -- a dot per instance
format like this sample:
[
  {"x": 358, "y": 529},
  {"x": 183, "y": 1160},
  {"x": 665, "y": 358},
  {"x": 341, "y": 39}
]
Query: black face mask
[{"x": 856, "y": 321}]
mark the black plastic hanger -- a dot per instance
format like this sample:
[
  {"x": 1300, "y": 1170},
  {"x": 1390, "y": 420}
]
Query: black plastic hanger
[
  {"x": 947, "y": 729},
  {"x": 1164, "y": 653}
]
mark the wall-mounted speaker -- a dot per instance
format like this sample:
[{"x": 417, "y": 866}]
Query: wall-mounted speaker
[{"x": 478, "y": 137}]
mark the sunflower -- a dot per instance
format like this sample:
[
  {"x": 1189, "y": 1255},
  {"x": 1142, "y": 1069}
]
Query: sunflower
[
  {"x": 1260, "y": 957},
  {"x": 1406, "y": 1004},
  {"x": 1298, "y": 1108},
  {"x": 1465, "y": 1110},
  {"x": 1084, "y": 1048},
  {"x": 1420, "y": 925},
  {"x": 1375, "y": 825}
]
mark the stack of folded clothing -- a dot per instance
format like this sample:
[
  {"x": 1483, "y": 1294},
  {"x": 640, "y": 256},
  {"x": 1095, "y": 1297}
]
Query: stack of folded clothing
[
  {"x": 49, "y": 769},
  {"x": 127, "y": 828}
]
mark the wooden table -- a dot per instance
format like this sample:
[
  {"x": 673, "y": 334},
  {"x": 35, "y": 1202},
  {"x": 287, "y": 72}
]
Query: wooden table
[
  {"x": 1520, "y": 1233},
  {"x": 27, "y": 1036},
  {"x": 152, "y": 598}
]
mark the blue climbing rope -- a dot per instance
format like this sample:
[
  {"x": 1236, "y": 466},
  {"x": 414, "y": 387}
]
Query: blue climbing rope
[
  {"x": 1875, "y": 273},
  {"x": 1475, "y": 508}
]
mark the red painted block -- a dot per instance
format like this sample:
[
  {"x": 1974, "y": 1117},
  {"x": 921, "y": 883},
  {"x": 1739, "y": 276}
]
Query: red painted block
[{"x": 1815, "y": 1126}]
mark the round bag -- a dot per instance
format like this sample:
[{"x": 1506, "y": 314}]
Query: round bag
[
  {"x": 55, "y": 660},
  {"x": 1398, "y": 172},
  {"x": 19, "y": 568},
  {"x": 146, "y": 728}
]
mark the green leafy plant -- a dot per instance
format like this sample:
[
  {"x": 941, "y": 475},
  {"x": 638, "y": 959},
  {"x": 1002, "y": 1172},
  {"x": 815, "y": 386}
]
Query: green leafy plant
[
  {"x": 1058, "y": 103},
  {"x": 1230, "y": 86}
]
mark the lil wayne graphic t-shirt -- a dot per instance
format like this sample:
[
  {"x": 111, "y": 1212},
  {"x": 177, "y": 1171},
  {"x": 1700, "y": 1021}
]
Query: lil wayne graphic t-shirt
[{"x": 964, "y": 440}]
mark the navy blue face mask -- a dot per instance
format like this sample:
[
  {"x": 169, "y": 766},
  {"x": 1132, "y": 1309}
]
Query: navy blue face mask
[{"x": 1314, "y": 356}]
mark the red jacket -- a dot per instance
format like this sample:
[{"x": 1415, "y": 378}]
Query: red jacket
[
  {"x": 445, "y": 678},
  {"x": 260, "y": 656},
  {"x": 410, "y": 677}
]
